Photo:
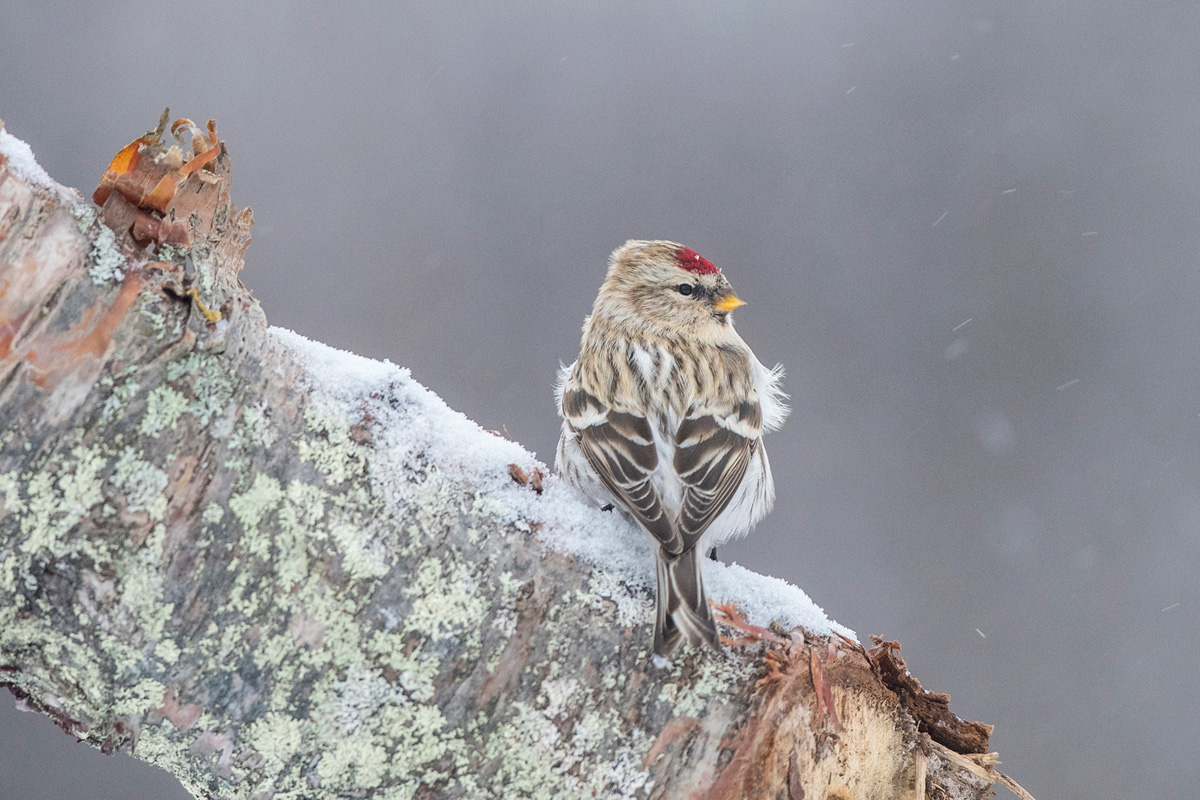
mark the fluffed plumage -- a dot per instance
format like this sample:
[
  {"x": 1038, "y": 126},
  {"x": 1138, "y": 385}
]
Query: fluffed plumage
[{"x": 663, "y": 416}]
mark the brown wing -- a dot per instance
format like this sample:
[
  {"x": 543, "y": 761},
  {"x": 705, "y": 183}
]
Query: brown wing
[
  {"x": 619, "y": 446},
  {"x": 712, "y": 460}
]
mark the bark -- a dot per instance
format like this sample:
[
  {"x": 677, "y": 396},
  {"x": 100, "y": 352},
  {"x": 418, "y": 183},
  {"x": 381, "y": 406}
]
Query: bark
[{"x": 200, "y": 565}]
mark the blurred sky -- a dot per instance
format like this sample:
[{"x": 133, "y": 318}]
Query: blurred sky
[{"x": 968, "y": 229}]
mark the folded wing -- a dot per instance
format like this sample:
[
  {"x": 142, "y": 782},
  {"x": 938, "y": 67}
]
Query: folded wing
[
  {"x": 619, "y": 446},
  {"x": 712, "y": 453}
]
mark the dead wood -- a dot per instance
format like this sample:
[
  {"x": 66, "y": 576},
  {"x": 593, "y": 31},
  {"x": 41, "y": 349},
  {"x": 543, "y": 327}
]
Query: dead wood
[{"x": 931, "y": 710}]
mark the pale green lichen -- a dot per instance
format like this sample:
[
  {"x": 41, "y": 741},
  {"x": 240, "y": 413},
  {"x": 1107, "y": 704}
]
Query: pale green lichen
[
  {"x": 159, "y": 745},
  {"x": 299, "y": 528},
  {"x": 368, "y": 731},
  {"x": 334, "y": 453},
  {"x": 211, "y": 388},
  {"x": 122, "y": 393},
  {"x": 164, "y": 407},
  {"x": 167, "y": 651},
  {"x": 277, "y": 737},
  {"x": 272, "y": 654},
  {"x": 342, "y": 706},
  {"x": 445, "y": 601},
  {"x": 52, "y": 507},
  {"x": 107, "y": 263},
  {"x": 526, "y": 749},
  {"x": 536, "y": 761},
  {"x": 169, "y": 252},
  {"x": 213, "y": 392},
  {"x": 85, "y": 217},
  {"x": 10, "y": 487},
  {"x": 251, "y": 507},
  {"x": 212, "y": 514},
  {"x": 353, "y": 762},
  {"x": 363, "y": 555},
  {"x": 416, "y": 670},
  {"x": 715, "y": 680},
  {"x": 189, "y": 364},
  {"x": 142, "y": 482},
  {"x": 142, "y": 585},
  {"x": 139, "y": 698},
  {"x": 81, "y": 486},
  {"x": 257, "y": 424}
]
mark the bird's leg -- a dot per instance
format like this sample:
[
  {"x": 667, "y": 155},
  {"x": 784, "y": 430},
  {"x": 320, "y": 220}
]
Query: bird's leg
[
  {"x": 712, "y": 554},
  {"x": 606, "y": 507}
]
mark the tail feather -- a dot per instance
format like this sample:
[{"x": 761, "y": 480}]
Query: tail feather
[
  {"x": 667, "y": 636},
  {"x": 682, "y": 605}
]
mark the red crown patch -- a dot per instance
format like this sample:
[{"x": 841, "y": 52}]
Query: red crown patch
[{"x": 692, "y": 261}]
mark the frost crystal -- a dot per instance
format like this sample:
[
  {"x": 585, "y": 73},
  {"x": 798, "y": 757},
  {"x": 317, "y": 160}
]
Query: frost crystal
[{"x": 21, "y": 161}]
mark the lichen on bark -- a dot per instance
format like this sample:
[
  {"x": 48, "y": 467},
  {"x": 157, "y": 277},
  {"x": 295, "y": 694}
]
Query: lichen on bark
[{"x": 210, "y": 559}]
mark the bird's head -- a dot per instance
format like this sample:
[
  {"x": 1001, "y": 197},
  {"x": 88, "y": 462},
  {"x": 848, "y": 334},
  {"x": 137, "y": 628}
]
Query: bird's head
[{"x": 665, "y": 284}]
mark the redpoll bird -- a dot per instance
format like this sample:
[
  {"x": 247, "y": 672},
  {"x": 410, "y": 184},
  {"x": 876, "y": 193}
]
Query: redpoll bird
[{"x": 663, "y": 416}]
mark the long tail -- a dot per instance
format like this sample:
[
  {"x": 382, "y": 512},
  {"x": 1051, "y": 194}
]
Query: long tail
[{"x": 682, "y": 605}]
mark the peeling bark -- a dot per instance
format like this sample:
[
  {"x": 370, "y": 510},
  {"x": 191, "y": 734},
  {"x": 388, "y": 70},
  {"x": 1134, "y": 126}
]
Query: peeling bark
[
  {"x": 200, "y": 565},
  {"x": 931, "y": 710}
]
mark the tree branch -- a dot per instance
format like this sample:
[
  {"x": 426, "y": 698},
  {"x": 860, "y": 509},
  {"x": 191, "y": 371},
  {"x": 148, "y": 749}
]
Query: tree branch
[{"x": 279, "y": 571}]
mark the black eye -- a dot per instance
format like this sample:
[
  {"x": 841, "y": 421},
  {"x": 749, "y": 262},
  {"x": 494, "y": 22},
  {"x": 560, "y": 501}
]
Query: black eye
[{"x": 685, "y": 288}]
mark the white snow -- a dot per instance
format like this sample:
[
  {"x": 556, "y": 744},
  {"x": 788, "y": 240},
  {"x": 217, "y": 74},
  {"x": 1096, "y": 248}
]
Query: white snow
[
  {"x": 21, "y": 161},
  {"x": 415, "y": 421},
  {"x": 22, "y": 164}
]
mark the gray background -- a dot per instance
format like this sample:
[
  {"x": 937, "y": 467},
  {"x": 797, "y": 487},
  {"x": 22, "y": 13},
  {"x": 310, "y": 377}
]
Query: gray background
[{"x": 440, "y": 183}]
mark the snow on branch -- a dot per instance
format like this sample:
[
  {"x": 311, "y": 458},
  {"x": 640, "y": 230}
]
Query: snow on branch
[{"x": 413, "y": 419}]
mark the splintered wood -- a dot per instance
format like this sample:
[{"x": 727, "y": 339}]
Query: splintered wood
[
  {"x": 143, "y": 190},
  {"x": 931, "y": 710}
]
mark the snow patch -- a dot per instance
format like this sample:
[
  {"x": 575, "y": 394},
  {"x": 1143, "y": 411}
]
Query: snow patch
[
  {"x": 22, "y": 163},
  {"x": 414, "y": 424}
]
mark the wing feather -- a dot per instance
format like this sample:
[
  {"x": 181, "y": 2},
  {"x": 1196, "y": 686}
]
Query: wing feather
[
  {"x": 712, "y": 459},
  {"x": 619, "y": 446},
  {"x": 712, "y": 454}
]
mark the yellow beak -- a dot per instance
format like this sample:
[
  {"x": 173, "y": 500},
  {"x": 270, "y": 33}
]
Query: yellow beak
[{"x": 729, "y": 304}]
